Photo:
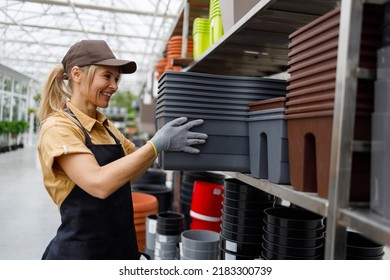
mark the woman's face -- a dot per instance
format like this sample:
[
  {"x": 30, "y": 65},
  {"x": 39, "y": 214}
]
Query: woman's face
[{"x": 104, "y": 85}]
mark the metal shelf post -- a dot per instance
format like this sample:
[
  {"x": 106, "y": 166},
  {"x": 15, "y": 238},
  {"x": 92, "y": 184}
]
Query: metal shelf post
[{"x": 343, "y": 123}]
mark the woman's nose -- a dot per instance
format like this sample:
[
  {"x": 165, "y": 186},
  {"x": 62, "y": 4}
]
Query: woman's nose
[{"x": 114, "y": 85}]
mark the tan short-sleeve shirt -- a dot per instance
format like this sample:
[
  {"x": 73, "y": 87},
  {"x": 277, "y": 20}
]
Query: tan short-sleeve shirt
[{"x": 60, "y": 135}]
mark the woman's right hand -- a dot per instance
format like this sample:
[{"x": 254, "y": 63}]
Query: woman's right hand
[{"x": 176, "y": 136}]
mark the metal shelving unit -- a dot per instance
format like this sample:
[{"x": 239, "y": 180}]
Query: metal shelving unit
[
  {"x": 310, "y": 201},
  {"x": 257, "y": 45}
]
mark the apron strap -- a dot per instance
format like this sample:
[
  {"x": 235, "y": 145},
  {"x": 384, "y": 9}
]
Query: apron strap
[{"x": 87, "y": 138}]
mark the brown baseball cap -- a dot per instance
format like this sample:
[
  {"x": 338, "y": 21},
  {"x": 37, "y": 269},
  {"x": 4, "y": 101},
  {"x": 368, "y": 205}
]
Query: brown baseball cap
[{"x": 94, "y": 52}]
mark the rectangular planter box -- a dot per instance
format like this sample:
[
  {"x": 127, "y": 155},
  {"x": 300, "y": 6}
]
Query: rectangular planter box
[
  {"x": 204, "y": 99},
  {"x": 204, "y": 162},
  {"x": 278, "y": 102},
  {"x": 309, "y": 140},
  {"x": 226, "y": 149},
  {"x": 202, "y": 111},
  {"x": 206, "y": 79},
  {"x": 202, "y": 105},
  {"x": 212, "y": 124},
  {"x": 222, "y": 89},
  {"x": 215, "y": 93},
  {"x": 269, "y": 148}
]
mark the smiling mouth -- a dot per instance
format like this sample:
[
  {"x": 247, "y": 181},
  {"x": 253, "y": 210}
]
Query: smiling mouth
[{"x": 106, "y": 94}]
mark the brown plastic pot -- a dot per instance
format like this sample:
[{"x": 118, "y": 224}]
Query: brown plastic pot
[
  {"x": 319, "y": 60},
  {"x": 321, "y": 21},
  {"x": 272, "y": 103},
  {"x": 310, "y": 99},
  {"x": 314, "y": 71},
  {"x": 309, "y": 138},
  {"x": 143, "y": 202},
  {"x": 326, "y": 47},
  {"x": 313, "y": 80},
  {"x": 320, "y": 106},
  {"x": 323, "y": 41},
  {"x": 324, "y": 87}
]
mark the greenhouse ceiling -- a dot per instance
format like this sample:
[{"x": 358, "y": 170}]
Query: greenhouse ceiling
[{"x": 35, "y": 35}]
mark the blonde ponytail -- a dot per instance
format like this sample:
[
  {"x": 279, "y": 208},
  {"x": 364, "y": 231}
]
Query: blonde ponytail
[{"x": 55, "y": 93}]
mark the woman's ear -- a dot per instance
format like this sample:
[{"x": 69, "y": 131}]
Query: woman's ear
[{"x": 76, "y": 74}]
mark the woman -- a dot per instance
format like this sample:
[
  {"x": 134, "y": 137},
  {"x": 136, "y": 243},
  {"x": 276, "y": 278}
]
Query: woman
[{"x": 87, "y": 163}]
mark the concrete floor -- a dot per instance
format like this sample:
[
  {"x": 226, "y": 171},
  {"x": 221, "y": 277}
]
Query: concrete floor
[{"x": 28, "y": 217}]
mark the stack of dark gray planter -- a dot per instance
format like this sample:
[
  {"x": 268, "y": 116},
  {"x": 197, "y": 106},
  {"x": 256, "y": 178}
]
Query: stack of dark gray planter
[{"x": 222, "y": 102}]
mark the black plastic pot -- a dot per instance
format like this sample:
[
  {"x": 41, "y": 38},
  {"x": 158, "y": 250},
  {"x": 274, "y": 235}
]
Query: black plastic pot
[
  {"x": 242, "y": 221},
  {"x": 170, "y": 223},
  {"x": 293, "y": 218},
  {"x": 152, "y": 176},
  {"x": 245, "y": 196},
  {"x": 234, "y": 185},
  {"x": 242, "y": 213},
  {"x": 293, "y": 242},
  {"x": 294, "y": 251},
  {"x": 241, "y": 248},
  {"x": 294, "y": 233},
  {"x": 242, "y": 204},
  {"x": 163, "y": 194},
  {"x": 227, "y": 255},
  {"x": 360, "y": 246},
  {"x": 251, "y": 230},
  {"x": 250, "y": 238},
  {"x": 270, "y": 255}
]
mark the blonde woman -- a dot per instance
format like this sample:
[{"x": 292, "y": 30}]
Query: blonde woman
[{"x": 87, "y": 164}]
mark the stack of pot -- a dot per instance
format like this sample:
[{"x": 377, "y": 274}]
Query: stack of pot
[
  {"x": 242, "y": 220},
  {"x": 222, "y": 102},
  {"x": 169, "y": 228},
  {"x": 268, "y": 143},
  {"x": 311, "y": 96},
  {"x": 360, "y": 247},
  {"x": 293, "y": 234},
  {"x": 199, "y": 245}
]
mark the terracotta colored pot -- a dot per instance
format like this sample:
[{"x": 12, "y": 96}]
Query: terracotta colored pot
[
  {"x": 310, "y": 99},
  {"x": 144, "y": 202},
  {"x": 272, "y": 103},
  {"x": 310, "y": 136},
  {"x": 313, "y": 53},
  {"x": 319, "y": 23},
  {"x": 320, "y": 60},
  {"x": 320, "y": 106},
  {"x": 317, "y": 79},
  {"x": 325, "y": 41}
]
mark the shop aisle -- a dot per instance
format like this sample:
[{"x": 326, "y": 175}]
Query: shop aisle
[{"x": 28, "y": 217}]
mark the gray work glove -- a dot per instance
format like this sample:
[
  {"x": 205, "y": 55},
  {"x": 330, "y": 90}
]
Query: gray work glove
[{"x": 176, "y": 136}]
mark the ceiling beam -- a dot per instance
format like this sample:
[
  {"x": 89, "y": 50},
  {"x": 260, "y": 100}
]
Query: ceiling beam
[
  {"x": 66, "y": 46},
  {"x": 79, "y": 31},
  {"x": 100, "y": 8}
]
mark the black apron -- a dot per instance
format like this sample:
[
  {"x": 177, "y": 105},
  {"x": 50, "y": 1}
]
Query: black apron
[{"x": 93, "y": 228}]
